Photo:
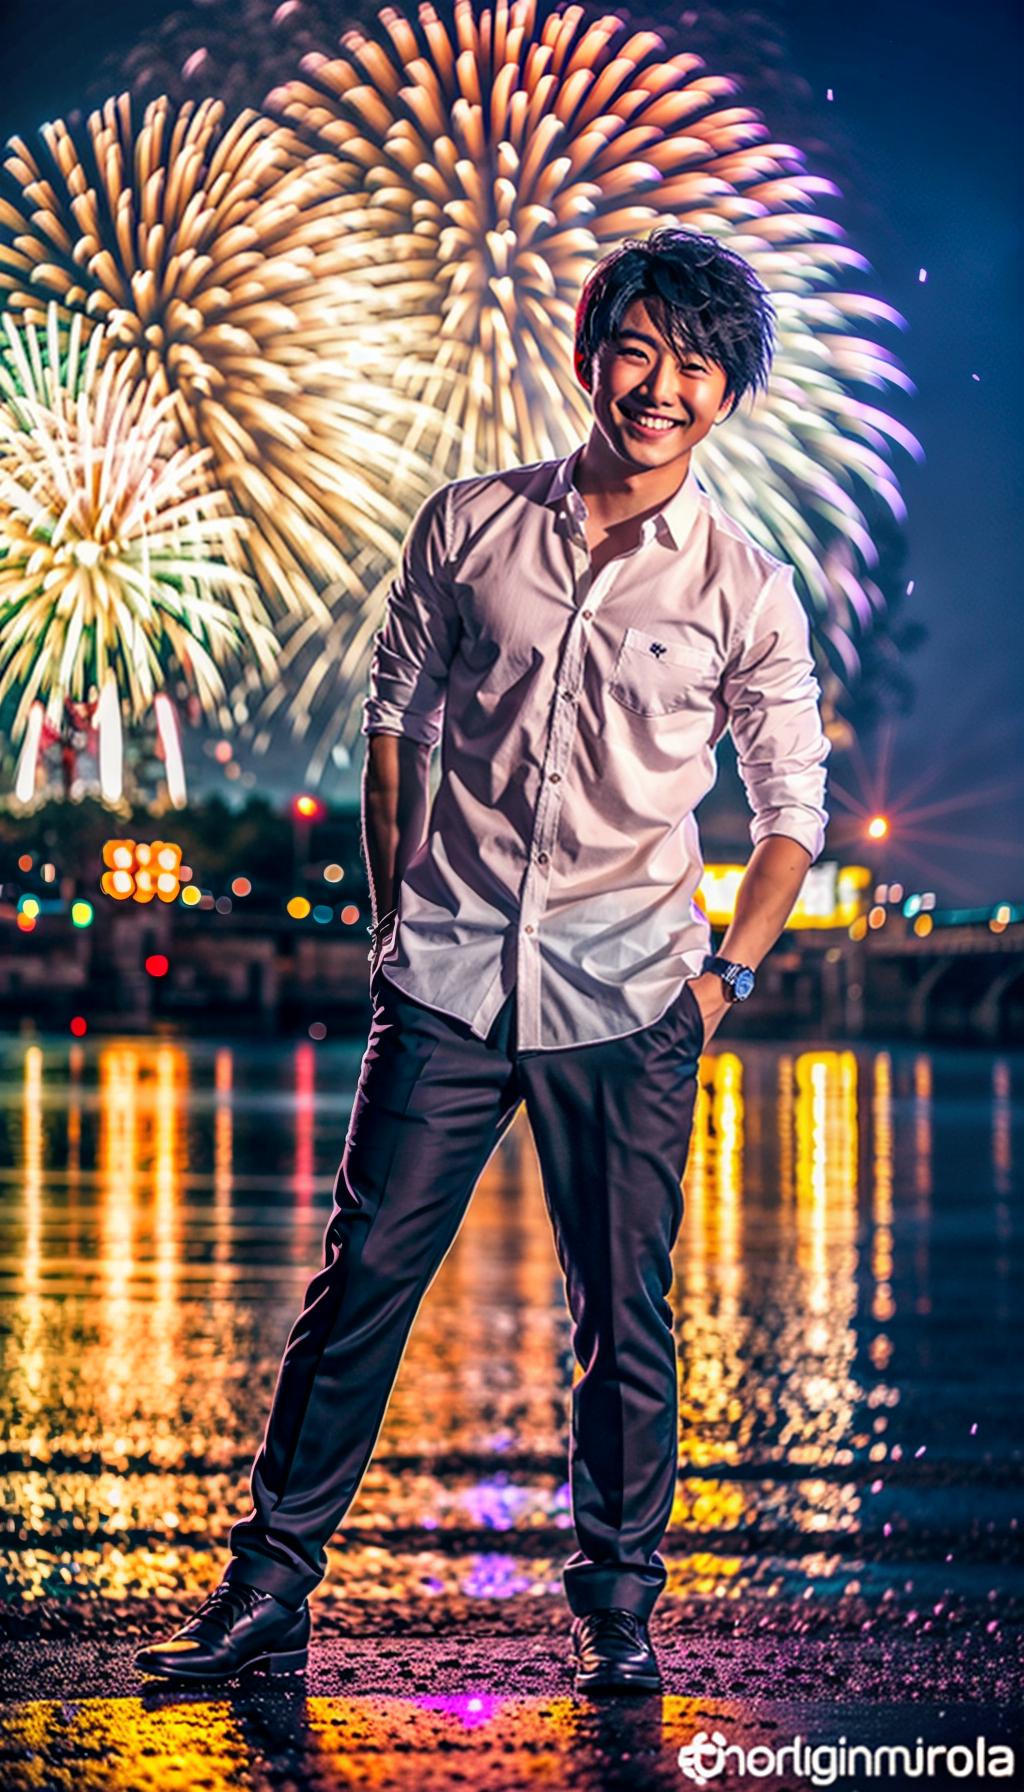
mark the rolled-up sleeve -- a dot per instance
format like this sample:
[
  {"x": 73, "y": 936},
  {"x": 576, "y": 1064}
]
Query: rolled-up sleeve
[
  {"x": 414, "y": 646},
  {"x": 772, "y": 695}
]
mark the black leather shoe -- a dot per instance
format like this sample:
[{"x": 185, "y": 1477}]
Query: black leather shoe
[
  {"x": 613, "y": 1652},
  {"x": 238, "y": 1627}
]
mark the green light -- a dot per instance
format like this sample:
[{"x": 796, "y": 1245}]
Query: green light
[{"x": 82, "y": 913}]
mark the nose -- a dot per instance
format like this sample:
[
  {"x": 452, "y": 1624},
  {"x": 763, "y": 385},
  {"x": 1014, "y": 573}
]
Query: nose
[{"x": 659, "y": 383}]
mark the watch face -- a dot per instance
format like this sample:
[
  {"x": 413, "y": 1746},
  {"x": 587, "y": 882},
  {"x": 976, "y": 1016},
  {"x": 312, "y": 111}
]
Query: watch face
[{"x": 744, "y": 984}]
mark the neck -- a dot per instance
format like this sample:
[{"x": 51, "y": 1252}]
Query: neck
[{"x": 616, "y": 489}]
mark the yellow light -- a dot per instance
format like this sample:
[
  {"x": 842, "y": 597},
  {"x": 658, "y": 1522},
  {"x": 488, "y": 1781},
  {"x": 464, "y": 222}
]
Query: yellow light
[
  {"x": 831, "y": 895},
  {"x": 119, "y": 855},
  {"x": 306, "y": 805},
  {"x": 859, "y": 927},
  {"x": 143, "y": 869},
  {"x": 718, "y": 890},
  {"x": 191, "y": 896},
  {"x": 997, "y": 925},
  {"x": 81, "y": 913},
  {"x": 878, "y": 827},
  {"x": 30, "y": 907},
  {"x": 1003, "y": 913},
  {"x": 923, "y": 926},
  {"x": 299, "y": 908}
]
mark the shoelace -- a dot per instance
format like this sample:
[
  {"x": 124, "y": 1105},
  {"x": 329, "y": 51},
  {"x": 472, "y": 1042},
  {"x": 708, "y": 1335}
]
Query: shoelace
[
  {"x": 613, "y": 1620},
  {"x": 228, "y": 1601}
]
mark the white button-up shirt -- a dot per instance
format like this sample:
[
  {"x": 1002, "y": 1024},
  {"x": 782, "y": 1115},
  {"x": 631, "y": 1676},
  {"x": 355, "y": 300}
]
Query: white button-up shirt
[{"x": 578, "y": 718}]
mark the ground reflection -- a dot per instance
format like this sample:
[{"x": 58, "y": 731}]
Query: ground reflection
[
  {"x": 173, "y": 1740},
  {"x": 850, "y": 1434}
]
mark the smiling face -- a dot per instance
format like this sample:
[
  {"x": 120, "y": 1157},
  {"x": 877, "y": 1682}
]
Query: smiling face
[{"x": 651, "y": 405}]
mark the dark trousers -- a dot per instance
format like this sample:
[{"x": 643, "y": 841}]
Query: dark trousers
[{"x": 611, "y": 1124}]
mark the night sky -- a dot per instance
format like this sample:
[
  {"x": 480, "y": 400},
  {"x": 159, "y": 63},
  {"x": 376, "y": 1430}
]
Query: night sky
[{"x": 924, "y": 137}]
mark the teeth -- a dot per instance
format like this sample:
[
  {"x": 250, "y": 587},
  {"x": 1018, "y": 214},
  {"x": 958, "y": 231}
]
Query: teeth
[{"x": 655, "y": 422}]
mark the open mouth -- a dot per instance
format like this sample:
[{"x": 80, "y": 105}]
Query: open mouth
[{"x": 650, "y": 424}]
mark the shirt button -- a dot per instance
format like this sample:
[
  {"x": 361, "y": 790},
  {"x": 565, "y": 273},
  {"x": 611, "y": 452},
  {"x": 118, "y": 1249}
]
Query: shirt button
[
  {"x": 570, "y": 696},
  {"x": 528, "y": 928},
  {"x": 542, "y": 858},
  {"x": 587, "y": 614},
  {"x": 555, "y": 778}
]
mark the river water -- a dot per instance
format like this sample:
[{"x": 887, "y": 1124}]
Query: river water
[{"x": 847, "y": 1305}]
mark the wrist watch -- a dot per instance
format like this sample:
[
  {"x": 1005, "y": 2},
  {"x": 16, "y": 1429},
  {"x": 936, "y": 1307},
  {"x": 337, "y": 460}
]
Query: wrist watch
[{"x": 738, "y": 979}]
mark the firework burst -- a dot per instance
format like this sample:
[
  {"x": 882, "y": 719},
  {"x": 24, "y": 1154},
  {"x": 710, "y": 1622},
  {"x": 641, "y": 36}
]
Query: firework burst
[
  {"x": 212, "y": 254},
  {"x": 116, "y": 558},
  {"x": 495, "y": 160}
]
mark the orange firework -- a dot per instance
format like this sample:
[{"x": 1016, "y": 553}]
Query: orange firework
[{"x": 211, "y": 251}]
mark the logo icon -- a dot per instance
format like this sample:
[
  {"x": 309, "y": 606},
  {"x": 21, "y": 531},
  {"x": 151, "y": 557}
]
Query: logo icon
[
  {"x": 693, "y": 1756},
  {"x": 657, "y": 649}
]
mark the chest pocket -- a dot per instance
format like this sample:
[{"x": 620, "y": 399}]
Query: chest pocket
[{"x": 654, "y": 675}]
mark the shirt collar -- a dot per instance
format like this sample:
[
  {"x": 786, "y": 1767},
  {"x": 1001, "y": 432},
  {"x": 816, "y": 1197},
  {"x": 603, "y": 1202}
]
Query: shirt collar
[{"x": 676, "y": 517}]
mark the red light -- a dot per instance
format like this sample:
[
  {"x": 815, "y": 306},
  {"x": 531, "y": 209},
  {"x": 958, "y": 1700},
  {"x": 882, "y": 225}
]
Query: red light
[
  {"x": 307, "y": 807},
  {"x": 157, "y": 965},
  {"x": 79, "y": 1026}
]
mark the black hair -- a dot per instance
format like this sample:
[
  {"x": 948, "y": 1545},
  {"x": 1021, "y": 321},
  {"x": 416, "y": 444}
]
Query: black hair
[{"x": 704, "y": 298}]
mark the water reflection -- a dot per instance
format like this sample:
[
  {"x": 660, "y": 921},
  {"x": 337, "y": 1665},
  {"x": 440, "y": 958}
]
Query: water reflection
[
  {"x": 189, "y": 1740},
  {"x": 495, "y": 1742},
  {"x": 848, "y": 1231}
]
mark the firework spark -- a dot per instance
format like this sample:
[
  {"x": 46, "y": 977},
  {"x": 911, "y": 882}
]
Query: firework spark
[
  {"x": 496, "y": 160},
  {"x": 212, "y": 252},
  {"x": 116, "y": 558}
]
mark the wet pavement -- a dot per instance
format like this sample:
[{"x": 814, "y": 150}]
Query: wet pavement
[{"x": 845, "y": 1556}]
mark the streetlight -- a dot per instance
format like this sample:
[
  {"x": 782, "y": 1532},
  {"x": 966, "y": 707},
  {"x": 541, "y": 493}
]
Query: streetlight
[{"x": 305, "y": 810}]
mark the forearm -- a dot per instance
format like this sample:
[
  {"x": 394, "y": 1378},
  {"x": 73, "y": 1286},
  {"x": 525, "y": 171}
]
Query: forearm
[
  {"x": 395, "y": 809},
  {"x": 770, "y": 886}
]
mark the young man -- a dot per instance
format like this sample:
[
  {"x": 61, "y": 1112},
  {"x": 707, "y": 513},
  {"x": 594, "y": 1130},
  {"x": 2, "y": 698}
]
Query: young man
[{"x": 577, "y": 634}]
